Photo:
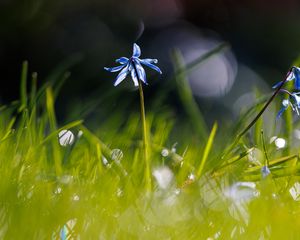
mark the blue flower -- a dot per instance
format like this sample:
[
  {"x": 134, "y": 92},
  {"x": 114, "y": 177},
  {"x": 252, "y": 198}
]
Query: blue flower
[
  {"x": 294, "y": 74},
  {"x": 265, "y": 171},
  {"x": 133, "y": 66},
  {"x": 285, "y": 104},
  {"x": 293, "y": 101}
]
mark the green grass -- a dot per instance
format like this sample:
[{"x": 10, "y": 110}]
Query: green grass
[{"x": 92, "y": 190}]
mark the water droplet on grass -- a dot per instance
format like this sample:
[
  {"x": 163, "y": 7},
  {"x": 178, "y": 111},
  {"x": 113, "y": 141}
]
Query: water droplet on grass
[
  {"x": 295, "y": 191},
  {"x": 80, "y": 133},
  {"x": 280, "y": 143},
  {"x": 30, "y": 192},
  {"x": 272, "y": 139},
  {"x": 116, "y": 155},
  {"x": 217, "y": 235},
  {"x": 177, "y": 191},
  {"x": 163, "y": 176},
  {"x": 66, "y": 179},
  {"x": 75, "y": 198},
  {"x": 119, "y": 192},
  {"x": 241, "y": 191},
  {"x": 58, "y": 190},
  {"x": 256, "y": 157},
  {"x": 66, "y": 137},
  {"x": 173, "y": 149},
  {"x": 165, "y": 152},
  {"x": 104, "y": 160},
  {"x": 192, "y": 177}
]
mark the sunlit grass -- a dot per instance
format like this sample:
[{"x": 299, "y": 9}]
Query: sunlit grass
[{"x": 90, "y": 184}]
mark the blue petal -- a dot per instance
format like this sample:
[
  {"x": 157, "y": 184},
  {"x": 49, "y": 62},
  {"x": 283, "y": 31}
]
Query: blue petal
[
  {"x": 122, "y": 75},
  {"x": 291, "y": 76},
  {"x": 297, "y": 99},
  {"x": 285, "y": 104},
  {"x": 265, "y": 171},
  {"x": 114, "y": 69},
  {"x": 297, "y": 77},
  {"x": 140, "y": 72},
  {"x": 64, "y": 233},
  {"x": 122, "y": 60},
  {"x": 277, "y": 84},
  {"x": 136, "y": 50},
  {"x": 134, "y": 77},
  {"x": 150, "y": 60},
  {"x": 281, "y": 111},
  {"x": 150, "y": 65}
]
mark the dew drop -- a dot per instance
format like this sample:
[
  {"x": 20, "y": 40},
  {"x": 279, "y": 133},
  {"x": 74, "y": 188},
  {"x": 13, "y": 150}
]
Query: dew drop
[
  {"x": 76, "y": 198},
  {"x": 163, "y": 176},
  {"x": 66, "y": 137},
  {"x": 80, "y": 133},
  {"x": 177, "y": 191},
  {"x": 104, "y": 161},
  {"x": 295, "y": 191},
  {"x": 280, "y": 143},
  {"x": 165, "y": 152},
  {"x": 119, "y": 192},
  {"x": 116, "y": 155},
  {"x": 191, "y": 177},
  {"x": 58, "y": 190},
  {"x": 66, "y": 179},
  {"x": 173, "y": 149},
  {"x": 272, "y": 139}
]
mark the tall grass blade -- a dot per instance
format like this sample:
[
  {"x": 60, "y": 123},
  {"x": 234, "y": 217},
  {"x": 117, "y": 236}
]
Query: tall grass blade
[
  {"x": 186, "y": 96},
  {"x": 207, "y": 149},
  {"x": 23, "y": 86}
]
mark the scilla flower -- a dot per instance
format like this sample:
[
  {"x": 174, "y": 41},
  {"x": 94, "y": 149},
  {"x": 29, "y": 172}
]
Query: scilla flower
[
  {"x": 265, "y": 171},
  {"x": 293, "y": 74},
  {"x": 293, "y": 101},
  {"x": 133, "y": 66}
]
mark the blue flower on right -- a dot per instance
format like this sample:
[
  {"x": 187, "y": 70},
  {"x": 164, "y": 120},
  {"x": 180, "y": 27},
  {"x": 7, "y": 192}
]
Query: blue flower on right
[
  {"x": 293, "y": 101},
  {"x": 294, "y": 74}
]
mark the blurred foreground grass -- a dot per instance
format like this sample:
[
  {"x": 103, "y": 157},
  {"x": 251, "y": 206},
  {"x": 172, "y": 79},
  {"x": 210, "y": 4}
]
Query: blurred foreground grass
[{"x": 58, "y": 184}]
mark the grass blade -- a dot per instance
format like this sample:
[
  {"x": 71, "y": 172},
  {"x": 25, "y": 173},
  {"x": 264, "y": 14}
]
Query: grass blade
[
  {"x": 207, "y": 149},
  {"x": 186, "y": 96},
  {"x": 23, "y": 86}
]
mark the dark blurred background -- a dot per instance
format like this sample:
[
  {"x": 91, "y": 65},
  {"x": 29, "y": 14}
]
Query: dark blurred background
[{"x": 263, "y": 38}]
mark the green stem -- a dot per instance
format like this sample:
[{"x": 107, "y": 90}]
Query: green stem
[
  {"x": 145, "y": 137},
  {"x": 267, "y": 162}
]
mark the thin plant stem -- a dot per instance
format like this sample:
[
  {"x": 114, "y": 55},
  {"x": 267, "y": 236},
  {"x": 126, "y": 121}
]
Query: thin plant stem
[
  {"x": 145, "y": 137},
  {"x": 264, "y": 147},
  {"x": 239, "y": 136}
]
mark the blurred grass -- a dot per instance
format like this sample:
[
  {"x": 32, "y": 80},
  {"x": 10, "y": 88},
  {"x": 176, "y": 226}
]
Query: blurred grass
[{"x": 94, "y": 188}]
